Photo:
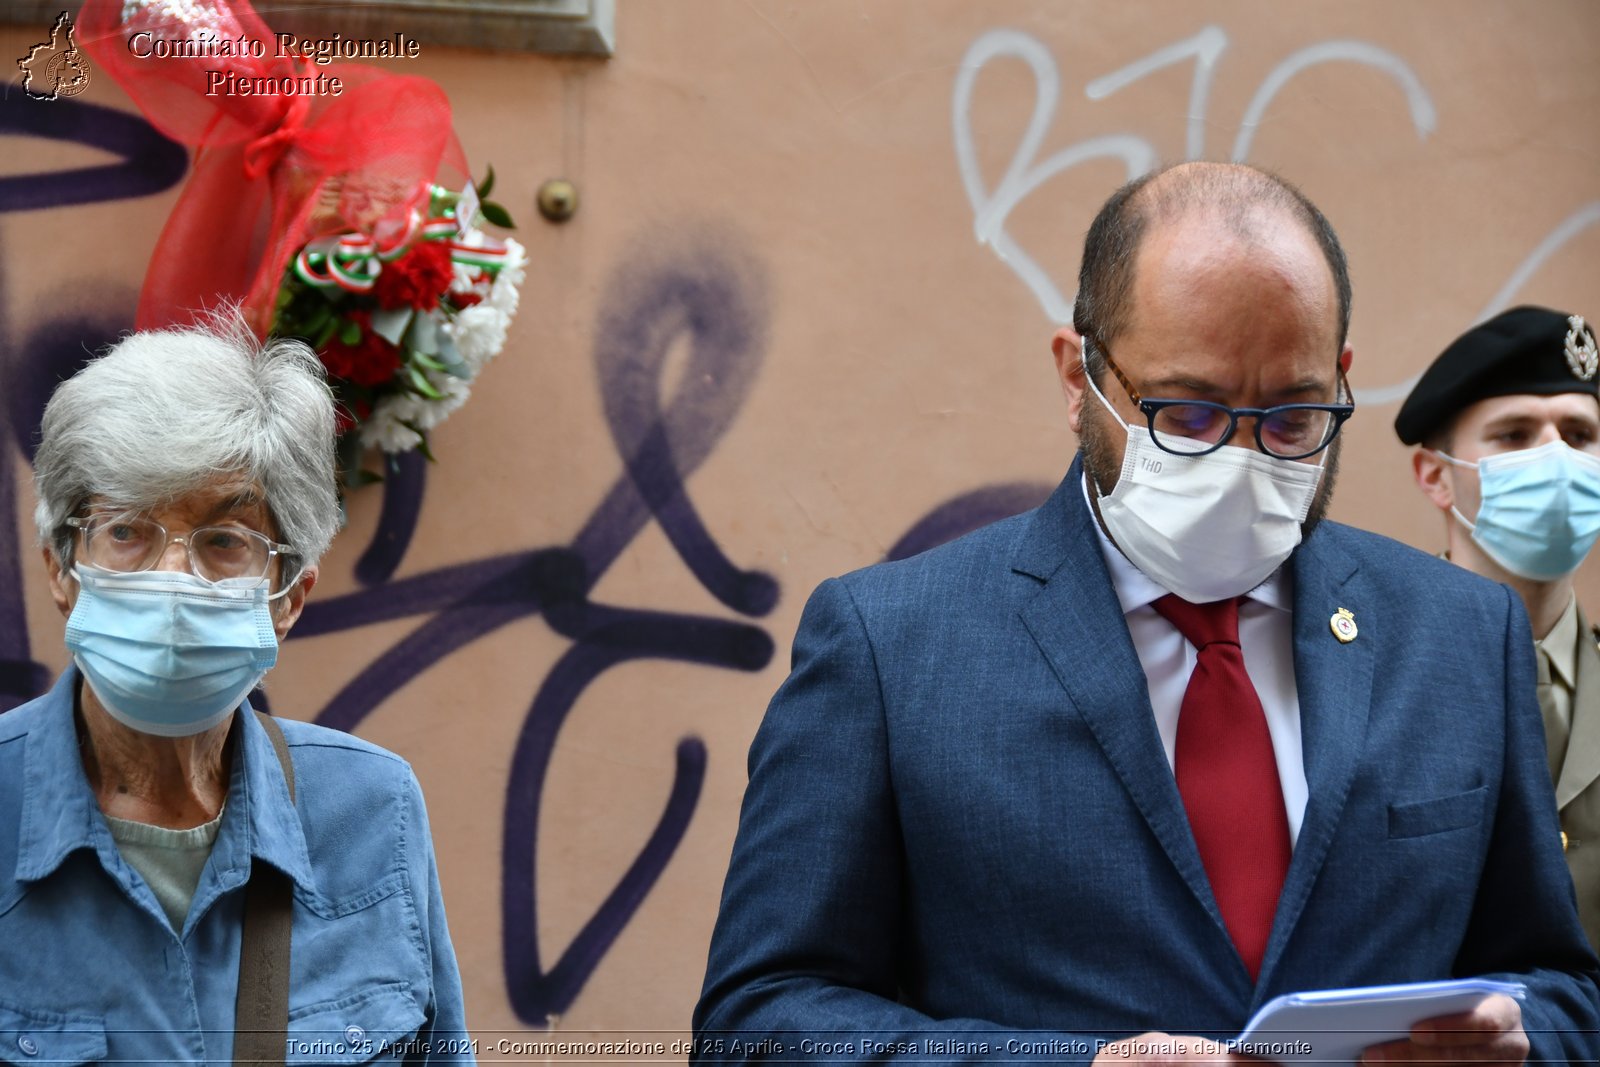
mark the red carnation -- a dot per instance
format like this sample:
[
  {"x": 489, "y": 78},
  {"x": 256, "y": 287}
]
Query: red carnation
[
  {"x": 370, "y": 362},
  {"x": 417, "y": 279}
]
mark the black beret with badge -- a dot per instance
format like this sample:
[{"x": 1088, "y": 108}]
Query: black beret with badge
[{"x": 1524, "y": 350}]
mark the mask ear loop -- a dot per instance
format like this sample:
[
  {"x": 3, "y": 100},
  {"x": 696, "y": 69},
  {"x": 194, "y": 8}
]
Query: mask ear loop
[
  {"x": 1083, "y": 359},
  {"x": 1462, "y": 519}
]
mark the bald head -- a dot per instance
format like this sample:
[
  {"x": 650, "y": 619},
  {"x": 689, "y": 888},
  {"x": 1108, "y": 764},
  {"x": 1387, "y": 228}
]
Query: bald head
[{"x": 1240, "y": 200}]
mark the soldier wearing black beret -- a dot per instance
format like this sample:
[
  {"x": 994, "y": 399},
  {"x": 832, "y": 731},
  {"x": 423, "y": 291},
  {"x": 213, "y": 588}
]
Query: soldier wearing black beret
[{"x": 1508, "y": 418}]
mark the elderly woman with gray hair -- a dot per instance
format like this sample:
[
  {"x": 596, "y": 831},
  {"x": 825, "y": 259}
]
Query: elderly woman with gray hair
[{"x": 182, "y": 879}]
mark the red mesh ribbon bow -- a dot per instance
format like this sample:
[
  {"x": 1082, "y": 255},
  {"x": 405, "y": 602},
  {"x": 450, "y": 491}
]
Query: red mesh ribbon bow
[{"x": 272, "y": 171}]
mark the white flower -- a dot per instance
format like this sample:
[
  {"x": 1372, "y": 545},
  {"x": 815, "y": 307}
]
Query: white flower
[
  {"x": 469, "y": 278},
  {"x": 386, "y": 428},
  {"x": 479, "y": 333},
  {"x": 432, "y": 412},
  {"x": 480, "y": 330},
  {"x": 383, "y": 428},
  {"x": 503, "y": 294}
]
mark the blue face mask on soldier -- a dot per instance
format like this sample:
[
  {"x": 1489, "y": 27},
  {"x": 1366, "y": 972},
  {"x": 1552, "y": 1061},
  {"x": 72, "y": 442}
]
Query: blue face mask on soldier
[
  {"x": 169, "y": 653},
  {"x": 1539, "y": 512}
]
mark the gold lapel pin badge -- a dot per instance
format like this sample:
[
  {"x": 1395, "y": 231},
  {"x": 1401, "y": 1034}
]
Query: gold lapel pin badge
[{"x": 1343, "y": 625}]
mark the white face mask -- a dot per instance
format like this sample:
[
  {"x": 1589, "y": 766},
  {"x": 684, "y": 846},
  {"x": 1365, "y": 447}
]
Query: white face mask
[{"x": 1206, "y": 527}]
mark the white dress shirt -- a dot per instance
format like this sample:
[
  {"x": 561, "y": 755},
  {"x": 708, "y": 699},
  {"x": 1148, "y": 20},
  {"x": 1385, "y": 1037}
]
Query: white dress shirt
[{"x": 1266, "y": 636}]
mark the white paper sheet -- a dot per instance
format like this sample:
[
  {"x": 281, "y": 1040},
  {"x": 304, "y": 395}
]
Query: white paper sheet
[{"x": 1333, "y": 1026}]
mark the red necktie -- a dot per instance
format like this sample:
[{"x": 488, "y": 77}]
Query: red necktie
[{"x": 1228, "y": 776}]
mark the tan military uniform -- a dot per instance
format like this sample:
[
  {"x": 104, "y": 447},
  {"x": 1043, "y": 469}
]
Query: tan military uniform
[{"x": 1575, "y": 683}]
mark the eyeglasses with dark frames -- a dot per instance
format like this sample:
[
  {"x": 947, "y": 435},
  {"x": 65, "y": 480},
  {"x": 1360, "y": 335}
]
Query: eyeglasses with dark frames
[{"x": 1200, "y": 427}]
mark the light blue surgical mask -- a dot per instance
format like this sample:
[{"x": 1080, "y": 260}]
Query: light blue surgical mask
[
  {"x": 1540, "y": 509},
  {"x": 166, "y": 652}
]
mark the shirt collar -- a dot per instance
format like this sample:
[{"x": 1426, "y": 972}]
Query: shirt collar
[
  {"x": 60, "y": 813},
  {"x": 276, "y": 833},
  {"x": 1561, "y": 645},
  {"x": 1136, "y": 589}
]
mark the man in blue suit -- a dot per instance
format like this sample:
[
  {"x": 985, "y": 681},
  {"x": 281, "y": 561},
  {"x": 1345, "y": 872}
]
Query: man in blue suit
[{"x": 1131, "y": 764}]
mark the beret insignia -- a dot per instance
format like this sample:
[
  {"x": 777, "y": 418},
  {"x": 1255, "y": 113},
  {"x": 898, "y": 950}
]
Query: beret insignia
[{"x": 1581, "y": 354}]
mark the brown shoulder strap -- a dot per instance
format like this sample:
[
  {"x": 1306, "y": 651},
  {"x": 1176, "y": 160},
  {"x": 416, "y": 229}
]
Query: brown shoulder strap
[
  {"x": 261, "y": 1010},
  {"x": 281, "y": 747}
]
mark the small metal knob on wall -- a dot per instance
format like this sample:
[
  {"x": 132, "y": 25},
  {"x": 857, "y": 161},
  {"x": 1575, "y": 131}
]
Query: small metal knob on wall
[{"x": 558, "y": 200}]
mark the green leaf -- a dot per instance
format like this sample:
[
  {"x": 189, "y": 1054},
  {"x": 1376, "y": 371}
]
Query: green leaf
[
  {"x": 420, "y": 383},
  {"x": 350, "y": 332},
  {"x": 324, "y": 335},
  {"x": 487, "y": 185},
  {"x": 497, "y": 215},
  {"x": 356, "y": 477},
  {"x": 429, "y": 362},
  {"x": 422, "y": 439}
]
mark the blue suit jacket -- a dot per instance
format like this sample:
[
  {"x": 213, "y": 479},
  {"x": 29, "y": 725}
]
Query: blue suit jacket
[{"x": 960, "y": 820}]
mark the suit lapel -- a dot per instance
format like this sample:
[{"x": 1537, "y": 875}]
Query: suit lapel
[
  {"x": 1581, "y": 766},
  {"x": 1333, "y": 680},
  {"x": 1077, "y": 622}
]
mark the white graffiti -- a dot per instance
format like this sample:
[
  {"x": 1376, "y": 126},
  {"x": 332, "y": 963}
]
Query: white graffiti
[
  {"x": 1206, "y": 47},
  {"x": 1023, "y": 174},
  {"x": 1570, "y": 227},
  {"x": 1022, "y": 177},
  {"x": 1424, "y": 116}
]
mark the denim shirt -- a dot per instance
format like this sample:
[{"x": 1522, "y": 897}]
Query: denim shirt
[{"x": 92, "y": 971}]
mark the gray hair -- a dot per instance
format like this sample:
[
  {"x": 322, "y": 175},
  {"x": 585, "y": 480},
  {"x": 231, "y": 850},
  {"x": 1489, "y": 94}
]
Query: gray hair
[{"x": 162, "y": 412}]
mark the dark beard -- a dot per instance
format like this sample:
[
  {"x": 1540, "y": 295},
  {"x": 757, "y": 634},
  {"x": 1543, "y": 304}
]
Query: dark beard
[
  {"x": 1099, "y": 457},
  {"x": 1324, "y": 497},
  {"x": 1100, "y": 462}
]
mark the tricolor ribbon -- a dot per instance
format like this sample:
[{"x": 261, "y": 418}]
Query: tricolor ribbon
[
  {"x": 353, "y": 261},
  {"x": 349, "y": 262}
]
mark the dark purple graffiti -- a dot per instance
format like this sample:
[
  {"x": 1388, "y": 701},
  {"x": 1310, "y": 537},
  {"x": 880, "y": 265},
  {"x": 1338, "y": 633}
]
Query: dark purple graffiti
[
  {"x": 405, "y": 478},
  {"x": 150, "y": 162},
  {"x": 21, "y": 678},
  {"x": 702, "y": 296},
  {"x": 652, "y": 304},
  {"x": 711, "y": 297},
  {"x": 31, "y": 366},
  {"x": 965, "y": 513}
]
